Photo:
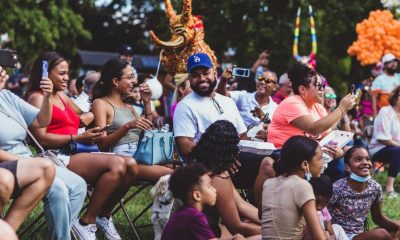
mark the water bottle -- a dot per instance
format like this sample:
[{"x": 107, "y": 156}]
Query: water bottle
[{"x": 165, "y": 128}]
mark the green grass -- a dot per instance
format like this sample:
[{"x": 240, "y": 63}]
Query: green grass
[{"x": 390, "y": 208}]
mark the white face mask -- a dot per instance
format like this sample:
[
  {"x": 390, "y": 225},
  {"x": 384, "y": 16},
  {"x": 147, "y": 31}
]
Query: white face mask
[{"x": 308, "y": 175}]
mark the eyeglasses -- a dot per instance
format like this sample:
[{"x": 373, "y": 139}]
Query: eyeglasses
[
  {"x": 266, "y": 80},
  {"x": 319, "y": 86},
  {"x": 131, "y": 76},
  {"x": 217, "y": 106},
  {"x": 330, "y": 96}
]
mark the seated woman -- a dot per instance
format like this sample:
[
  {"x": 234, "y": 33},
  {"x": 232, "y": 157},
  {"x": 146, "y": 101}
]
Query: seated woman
[
  {"x": 67, "y": 192},
  {"x": 357, "y": 195},
  {"x": 110, "y": 175},
  {"x": 303, "y": 114},
  {"x": 385, "y": 143},
  {"x": 218, "y": 150},
  {"x": 108, "y": 107},
  {"x": 288, "y": 199}
]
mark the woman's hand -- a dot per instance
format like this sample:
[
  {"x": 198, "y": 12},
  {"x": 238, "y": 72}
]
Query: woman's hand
[
  {"x": 46, "y": 85},
  {"x": 90, "y": 136},
  {"x": 347, "y": 102},
  {"x": 145, "y": 92},
  {"x": 86, "y": 119},
  {"x": 141, "y": 123},
  {"x": 333, "y": 150}
]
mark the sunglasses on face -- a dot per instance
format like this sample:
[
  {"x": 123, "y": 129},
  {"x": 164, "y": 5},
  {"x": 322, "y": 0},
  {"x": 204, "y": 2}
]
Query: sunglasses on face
[
  {"x": 330, "y": 96},
  {"x": 265, "y": 80},
  {"x": 319, "y": 86}
]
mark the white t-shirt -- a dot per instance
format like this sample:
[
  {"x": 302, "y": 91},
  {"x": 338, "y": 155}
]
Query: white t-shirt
[
  {"x": 386, "y": 127},
  {"x": 385, "y": 83},
  {"x": 246, "y": 102},
  {"x": 194, "y": 114}
]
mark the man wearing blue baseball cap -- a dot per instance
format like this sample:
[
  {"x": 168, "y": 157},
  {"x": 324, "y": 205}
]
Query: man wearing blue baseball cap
[{"x": 198, "y": 110}]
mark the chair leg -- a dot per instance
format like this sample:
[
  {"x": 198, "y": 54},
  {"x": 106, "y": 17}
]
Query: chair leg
[{"x": 135, "y": 233}]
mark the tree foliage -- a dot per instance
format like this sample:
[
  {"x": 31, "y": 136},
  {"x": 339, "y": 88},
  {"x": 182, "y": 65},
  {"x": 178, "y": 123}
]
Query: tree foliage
[{"x": 35, "y": 26}]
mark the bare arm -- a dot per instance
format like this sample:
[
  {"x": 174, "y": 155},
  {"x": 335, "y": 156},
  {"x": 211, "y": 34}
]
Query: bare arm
[
  {"x": 228, "y": 211},
  {"x": 389, "y": 143},
  {"x": 380, "y": 219},
  {"x": 329, "y": 228},
  {"x": 374, "y": 107},
  {"x": 312, "y": 220},
  {"x": 245, "y": 209},
  {"x": 44, "y": 103},
  {"x": 6, "y": 156},
  {"x": 185, "y": 146},
  {"x": 101, "y": 117}
]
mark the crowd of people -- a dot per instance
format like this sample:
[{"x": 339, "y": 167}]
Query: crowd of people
[{"x": 301, "y": 191}]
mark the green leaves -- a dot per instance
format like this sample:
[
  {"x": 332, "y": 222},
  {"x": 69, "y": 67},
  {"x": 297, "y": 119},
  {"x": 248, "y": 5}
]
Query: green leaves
[{"x": 36, "y": 26}]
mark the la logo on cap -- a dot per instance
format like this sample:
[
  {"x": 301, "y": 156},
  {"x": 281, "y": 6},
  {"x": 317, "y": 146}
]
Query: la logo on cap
[{"x": 197, "y": 59}]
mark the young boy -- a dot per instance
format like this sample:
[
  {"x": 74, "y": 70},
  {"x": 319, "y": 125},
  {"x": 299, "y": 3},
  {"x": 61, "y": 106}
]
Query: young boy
[{"x": 193, "y": 186}]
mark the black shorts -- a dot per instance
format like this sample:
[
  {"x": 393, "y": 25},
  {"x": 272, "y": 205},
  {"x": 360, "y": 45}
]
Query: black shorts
[
  {"x": 12, "y": 167},
  {"x": 248, "y": 171}
]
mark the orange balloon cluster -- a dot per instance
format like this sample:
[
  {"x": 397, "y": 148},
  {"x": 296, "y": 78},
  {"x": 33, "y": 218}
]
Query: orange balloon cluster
[{"x": 377, "y": 35}]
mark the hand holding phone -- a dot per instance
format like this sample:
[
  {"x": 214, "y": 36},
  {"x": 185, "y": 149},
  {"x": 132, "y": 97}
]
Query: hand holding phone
[
  {"x": 353, "y": 89},
  {"x": 241, "y": 72}
]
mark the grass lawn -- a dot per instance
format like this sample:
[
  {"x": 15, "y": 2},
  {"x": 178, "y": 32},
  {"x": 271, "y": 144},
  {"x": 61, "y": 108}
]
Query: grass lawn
[{"x": 390, "y": 207}]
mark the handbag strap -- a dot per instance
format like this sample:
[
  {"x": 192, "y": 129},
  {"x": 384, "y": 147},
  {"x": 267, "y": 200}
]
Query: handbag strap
[{"x": 26, "y": 129}]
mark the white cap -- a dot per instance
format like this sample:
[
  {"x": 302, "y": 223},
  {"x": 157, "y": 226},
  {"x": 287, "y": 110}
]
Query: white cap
[
  {"x": 284, "y": 79},
  {"x": 388, "y": 57}
]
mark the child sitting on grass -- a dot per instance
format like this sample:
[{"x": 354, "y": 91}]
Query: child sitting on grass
[
  {"x": 353, "y": 197},
  {"x": 192, "y": 185},
  {"x": 323, "y": 190}
]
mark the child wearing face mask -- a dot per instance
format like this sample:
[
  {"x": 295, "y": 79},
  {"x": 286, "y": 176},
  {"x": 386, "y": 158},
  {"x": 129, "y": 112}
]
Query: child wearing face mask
[{"x": 356, "y": 195}]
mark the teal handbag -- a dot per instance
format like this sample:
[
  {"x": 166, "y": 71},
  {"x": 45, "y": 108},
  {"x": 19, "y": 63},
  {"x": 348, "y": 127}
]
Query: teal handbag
[{"x": 155, "y": 147}]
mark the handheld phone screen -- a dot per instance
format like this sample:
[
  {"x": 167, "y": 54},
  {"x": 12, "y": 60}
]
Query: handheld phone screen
[{"x": 45, "y": 66}]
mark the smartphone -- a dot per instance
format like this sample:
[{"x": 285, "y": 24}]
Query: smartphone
[
  {"x": 8, "y": 58},
  {"x": 45, "y": 66},
  {"x": 353, "y": 89},
  {"x": 105, "y": 128},
  {"x": 241, "y": 72}
]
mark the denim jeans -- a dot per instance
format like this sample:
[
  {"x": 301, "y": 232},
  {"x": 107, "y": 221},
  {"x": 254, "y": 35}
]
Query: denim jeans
[{"x": 63, "y": 202}]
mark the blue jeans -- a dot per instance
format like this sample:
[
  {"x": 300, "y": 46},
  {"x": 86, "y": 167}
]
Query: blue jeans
[
  {"x": 125, "y": 149},
  {"x": 63, "y": 202}
]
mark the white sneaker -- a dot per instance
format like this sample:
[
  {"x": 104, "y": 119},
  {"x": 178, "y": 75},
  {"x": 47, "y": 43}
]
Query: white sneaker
[
  {"x": 107, "y": 226},
  {"x": 87, "y": 232}
]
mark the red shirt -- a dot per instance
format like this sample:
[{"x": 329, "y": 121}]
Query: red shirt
[{"x": 63, "y": 122}]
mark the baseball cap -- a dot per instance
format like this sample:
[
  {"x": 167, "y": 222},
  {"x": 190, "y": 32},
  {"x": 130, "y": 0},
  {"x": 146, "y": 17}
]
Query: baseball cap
[
  {"x": 199, "y": 60},
  {"x": 126, "y": 49},
  {"x": 388, "y": 57}
]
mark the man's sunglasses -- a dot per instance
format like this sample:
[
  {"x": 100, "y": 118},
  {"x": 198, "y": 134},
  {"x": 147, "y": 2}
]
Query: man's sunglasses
[
  {"x": 330, "y": 96},
  {"x": 266, "y": 80}
]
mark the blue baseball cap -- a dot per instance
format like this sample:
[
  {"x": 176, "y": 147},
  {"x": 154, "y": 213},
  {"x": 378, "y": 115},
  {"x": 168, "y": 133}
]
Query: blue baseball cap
[{"x": 199, "y": 60}]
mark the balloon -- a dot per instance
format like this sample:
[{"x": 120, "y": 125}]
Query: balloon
[{"x": 155, "y": 87}]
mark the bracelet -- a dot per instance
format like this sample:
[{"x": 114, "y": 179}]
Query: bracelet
[
  {"x": 340, "y": 107},
  {"x": 147, "y": 114}
]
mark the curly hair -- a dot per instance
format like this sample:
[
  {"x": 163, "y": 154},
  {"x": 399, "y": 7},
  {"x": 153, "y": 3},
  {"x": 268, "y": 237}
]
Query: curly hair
[
  {"x": 218, "y": 147},
  {"x": 184, "y": 179},
  {"x": 300, "y": 75}
]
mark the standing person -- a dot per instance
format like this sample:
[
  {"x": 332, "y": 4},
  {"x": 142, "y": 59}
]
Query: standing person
[
  {"x": 111, "y": 175},
  {"x": 65, "y": 197},
  {"x": 288, "y": 199},
  {"x": 248, "y": 103},
  {"x": 116, "y": 81},
  {"x": 384, "y": 84},
  {"x": 385, "y": 142},
  {"x": 126, "y": 53},
  {"x": 357, "y": 195},
  {"x": 284, "y": 89},
  {"x": 198, "y": 110}
]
